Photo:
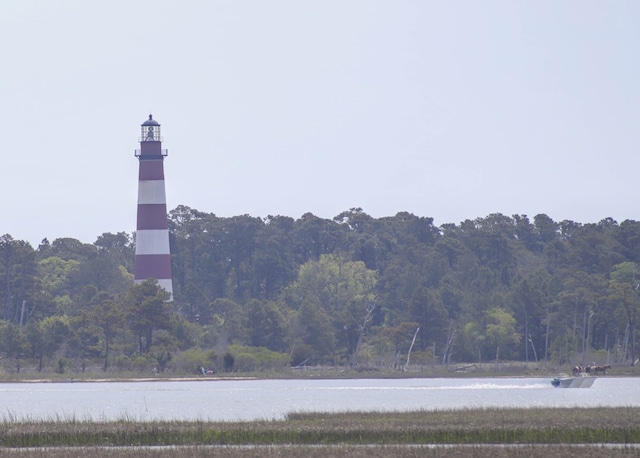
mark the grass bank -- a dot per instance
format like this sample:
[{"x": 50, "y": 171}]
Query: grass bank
[
  {"x": 355, "y": 433},
  {"x": 324, "y": 451}
]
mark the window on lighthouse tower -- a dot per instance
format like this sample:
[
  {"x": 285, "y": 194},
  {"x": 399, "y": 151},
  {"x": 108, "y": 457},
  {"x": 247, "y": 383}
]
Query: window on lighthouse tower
[{"x": 150, "y": 134}]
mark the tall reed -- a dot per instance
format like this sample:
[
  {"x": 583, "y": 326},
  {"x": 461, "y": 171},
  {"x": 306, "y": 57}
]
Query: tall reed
[{"x": 484, "y": 426}]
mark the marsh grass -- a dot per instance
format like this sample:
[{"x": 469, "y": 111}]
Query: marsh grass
[
  {"x": 485, "y": 426},
  {"x": 324, "y": 451}
]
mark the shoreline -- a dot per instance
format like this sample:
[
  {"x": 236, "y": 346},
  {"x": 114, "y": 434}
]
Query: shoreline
[
  {"x": 255, "y": 377},
  {"x": 309, "y": 374},
  {"x": 126, "y": 379}
]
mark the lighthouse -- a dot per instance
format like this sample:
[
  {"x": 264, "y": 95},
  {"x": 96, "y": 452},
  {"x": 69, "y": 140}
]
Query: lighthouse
[{"x": 153, "y": 257}]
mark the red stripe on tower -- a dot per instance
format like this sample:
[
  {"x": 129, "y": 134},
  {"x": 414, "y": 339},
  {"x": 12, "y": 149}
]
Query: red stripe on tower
[{"x": 153, "y": 258}]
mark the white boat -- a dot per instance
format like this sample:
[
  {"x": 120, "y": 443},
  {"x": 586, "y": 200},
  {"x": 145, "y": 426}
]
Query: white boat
[{"x": 573, "y": 382}]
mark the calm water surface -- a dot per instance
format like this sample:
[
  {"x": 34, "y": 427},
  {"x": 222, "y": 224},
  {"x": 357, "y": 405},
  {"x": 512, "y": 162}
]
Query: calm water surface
[{"x": 230, "y": 400}]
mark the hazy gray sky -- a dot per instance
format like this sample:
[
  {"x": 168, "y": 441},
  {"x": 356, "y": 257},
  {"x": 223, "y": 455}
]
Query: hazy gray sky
[{"x": 447, "y": 109}]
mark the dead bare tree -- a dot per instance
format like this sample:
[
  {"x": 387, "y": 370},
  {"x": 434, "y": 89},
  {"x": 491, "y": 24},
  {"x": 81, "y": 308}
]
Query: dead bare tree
[
  {"x": 446, "y": 357},
  {"x": 368, "y": 316},
  {"x": 413, "y": 341}
]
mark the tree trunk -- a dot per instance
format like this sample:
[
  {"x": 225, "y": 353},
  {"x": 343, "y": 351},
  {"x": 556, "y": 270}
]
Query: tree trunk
[
  {"x": 446, "y": 357},
  {"x": 526, "y": 344},
  {"x": 363, "y": 327},
  {"x": 148, "y": 340},
  {"x": 106, "y": 353},
  {"x": 546, "y": 337},
  {"x": 415, "y": 334}
]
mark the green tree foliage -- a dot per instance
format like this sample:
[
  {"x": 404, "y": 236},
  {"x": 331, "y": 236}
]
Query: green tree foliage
[
  {"x": 315, "y": 331},
  {"x": 13, "y": 342},
  {"x": 227, "y": 322},
  {"x": 267, "y": 325},
  {"x": 335, "y": 290},
  {"x": 19, "y": 279},
  {"x": 50, "y": 337},
  {"x": 624, "y": 293},
  {"x": 273, "y": 260},
  {"x": 70, "y": 269},
  {"x": 110, "y": 318},
  {"x": 251, "y": 359},
  {"x": 148, "y": 310},
  {"x": 501, "y": 332},
  {"x": 348, "y": 290}
]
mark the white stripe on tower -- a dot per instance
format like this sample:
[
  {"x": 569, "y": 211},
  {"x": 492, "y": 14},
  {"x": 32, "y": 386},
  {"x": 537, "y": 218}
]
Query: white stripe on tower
[{"x": 153, "y": 256}]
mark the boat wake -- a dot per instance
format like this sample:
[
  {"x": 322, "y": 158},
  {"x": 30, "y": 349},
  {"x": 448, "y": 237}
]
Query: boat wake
[{"x": 474, "y": 386}]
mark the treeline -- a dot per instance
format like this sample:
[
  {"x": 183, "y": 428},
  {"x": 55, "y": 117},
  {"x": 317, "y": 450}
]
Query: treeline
[{"x": 259, "y": 293}]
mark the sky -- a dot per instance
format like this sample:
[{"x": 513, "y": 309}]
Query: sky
[{"x": 451, "y": 110}]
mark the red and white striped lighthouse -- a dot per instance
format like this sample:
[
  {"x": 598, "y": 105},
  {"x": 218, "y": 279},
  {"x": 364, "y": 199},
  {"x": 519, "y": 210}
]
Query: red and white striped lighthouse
[{"x": 153, "y": 258}]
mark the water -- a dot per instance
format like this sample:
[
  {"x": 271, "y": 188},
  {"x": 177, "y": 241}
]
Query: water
[{"x": 230, "y": 400}]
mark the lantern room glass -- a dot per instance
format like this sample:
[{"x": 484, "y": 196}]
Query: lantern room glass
[{"x": 150, "y": 133}]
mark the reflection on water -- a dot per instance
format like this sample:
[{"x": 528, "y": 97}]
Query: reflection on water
[{"x": 230, "y": 400}]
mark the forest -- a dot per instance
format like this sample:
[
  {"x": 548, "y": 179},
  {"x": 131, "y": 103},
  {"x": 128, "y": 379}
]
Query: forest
[{"x": 261, "y": 294}]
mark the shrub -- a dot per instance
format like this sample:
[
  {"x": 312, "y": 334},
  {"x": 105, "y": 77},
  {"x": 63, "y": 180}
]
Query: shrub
[
  {"x": 249, "y": 359},
  {"x": 192, "y": 360},
  {"x": 228, "y": 361},
  {"x": 136, "y": 362},
  {"x": 301, "y": 355}
]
